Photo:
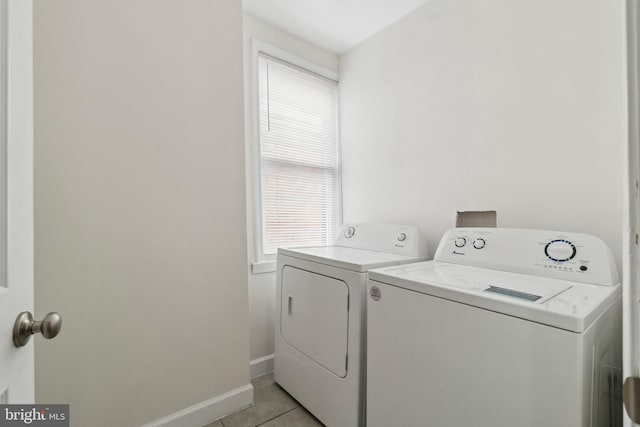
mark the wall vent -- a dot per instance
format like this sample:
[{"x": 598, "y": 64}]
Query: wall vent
[{"x": 476, "y": 219}]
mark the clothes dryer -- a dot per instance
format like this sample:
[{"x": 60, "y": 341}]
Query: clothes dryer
[
  {"x": 505, "y": 327},
  {"x": 320, "y": 326}
]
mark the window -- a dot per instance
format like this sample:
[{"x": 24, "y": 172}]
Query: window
[{"x": 298, "y": 156}]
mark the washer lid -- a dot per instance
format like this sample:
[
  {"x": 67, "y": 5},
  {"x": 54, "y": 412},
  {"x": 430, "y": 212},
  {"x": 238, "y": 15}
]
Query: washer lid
[
  {"x": 560, "y": 303},
  {"x": 353, "y": 259}
]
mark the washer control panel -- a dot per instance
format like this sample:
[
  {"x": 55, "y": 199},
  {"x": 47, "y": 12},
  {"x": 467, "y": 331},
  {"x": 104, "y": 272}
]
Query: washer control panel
[{"x": 570, "y": 256}]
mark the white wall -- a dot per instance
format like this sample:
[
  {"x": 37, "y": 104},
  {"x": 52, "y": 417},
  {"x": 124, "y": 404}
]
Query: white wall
[
  {"x": 262, "y": 287},
  {"x": 140, "y": 206},
  {"x": 501, "y": 104}
]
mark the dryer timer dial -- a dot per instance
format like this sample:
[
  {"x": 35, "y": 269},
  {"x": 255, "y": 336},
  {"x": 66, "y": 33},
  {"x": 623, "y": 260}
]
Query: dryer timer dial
[
  {"x": 349, "y": 232},
  {"x": 560, "y": 250}
]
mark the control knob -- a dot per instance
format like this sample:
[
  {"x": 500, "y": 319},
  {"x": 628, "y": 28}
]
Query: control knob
[
  {"x": 560, "y": 250},
  {"x": 349, "y": 232},
  {"x": 460, "y": 242},
  {"x": 479, "y": 243}
]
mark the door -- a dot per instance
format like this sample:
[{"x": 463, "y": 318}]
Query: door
[
  {"x": 315, "y": 317},
  {"x": 631, "y": 260},
  {"x": 16, "y": 196}
]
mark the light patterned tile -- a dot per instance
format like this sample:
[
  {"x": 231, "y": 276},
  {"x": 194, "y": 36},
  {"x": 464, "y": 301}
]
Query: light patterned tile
[
  {"x": 297, "y": 417},
  {"x": 270, "y": 401},
  {"x": 262, "y": 380}
]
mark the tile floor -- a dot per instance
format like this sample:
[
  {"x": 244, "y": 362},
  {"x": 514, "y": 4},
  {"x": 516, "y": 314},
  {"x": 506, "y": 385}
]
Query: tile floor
[{"x": 273, "y": 407}]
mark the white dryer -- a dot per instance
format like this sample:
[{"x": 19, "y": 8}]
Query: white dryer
[
  {"x": 320, "y": 330},
  {"x": 504, "y": 328}
]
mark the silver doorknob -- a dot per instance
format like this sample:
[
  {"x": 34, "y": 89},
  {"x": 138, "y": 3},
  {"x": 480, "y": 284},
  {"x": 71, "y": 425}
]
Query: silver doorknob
[{"x": 25, "y": 326}]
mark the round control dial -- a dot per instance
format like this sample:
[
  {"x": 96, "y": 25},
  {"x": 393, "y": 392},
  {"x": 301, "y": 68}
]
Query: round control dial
[
  {"x": 349, "y": 232},
  {"x": 402, "y": 237},
  {"x": 460, "y": 242},
  {"x": 560, "y": 250},
  {"x": 479, "y": 243}
]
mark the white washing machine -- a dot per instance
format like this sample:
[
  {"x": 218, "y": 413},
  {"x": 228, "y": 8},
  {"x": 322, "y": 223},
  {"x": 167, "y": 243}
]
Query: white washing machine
[
  {"x": 320, "y": 330},
  {"x": 505, "y": 327}
]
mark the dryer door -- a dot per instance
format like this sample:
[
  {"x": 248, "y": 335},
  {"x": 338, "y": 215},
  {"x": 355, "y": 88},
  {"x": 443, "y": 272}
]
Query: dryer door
[{"x": 315, "y": 317}]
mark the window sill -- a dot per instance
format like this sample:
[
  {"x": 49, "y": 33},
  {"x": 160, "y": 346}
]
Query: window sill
[{"x": 263, "y": 267}]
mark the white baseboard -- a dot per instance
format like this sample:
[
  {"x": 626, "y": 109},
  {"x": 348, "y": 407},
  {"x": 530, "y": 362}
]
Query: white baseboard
[
  {"x": 208, "y": 411},
  {"x": 261, "y": 366}
]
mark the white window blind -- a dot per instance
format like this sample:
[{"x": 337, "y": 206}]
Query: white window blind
[{"x": 300, "y": 175}]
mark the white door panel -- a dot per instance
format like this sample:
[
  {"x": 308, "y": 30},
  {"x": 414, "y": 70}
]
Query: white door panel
[
  {"x": 631, "y": 260},
  {"x": 16, "y": 197},
  {"x": 315, "y": 318}
]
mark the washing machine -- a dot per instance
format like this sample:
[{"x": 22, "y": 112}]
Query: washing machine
[
  {"x": 505, "y": 327},
  {"x": 320, "y": 329}
]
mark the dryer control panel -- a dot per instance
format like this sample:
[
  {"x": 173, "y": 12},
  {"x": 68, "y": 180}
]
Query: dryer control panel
[
  {"x": 569, "y": 256},
  {"x": 388, "y": 238}
]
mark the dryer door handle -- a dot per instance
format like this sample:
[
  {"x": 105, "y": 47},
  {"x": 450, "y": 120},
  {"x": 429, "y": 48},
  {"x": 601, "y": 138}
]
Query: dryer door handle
[{"x": 290, "y": 306}]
